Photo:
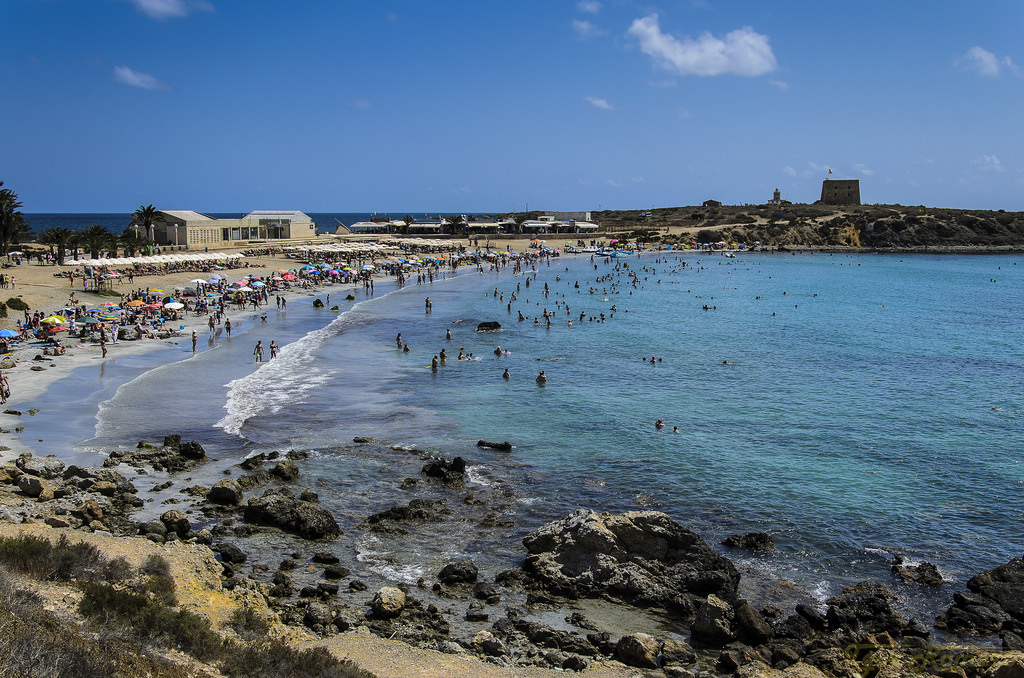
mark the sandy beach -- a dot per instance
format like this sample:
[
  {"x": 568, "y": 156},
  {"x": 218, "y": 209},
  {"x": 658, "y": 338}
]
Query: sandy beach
[{"x": 39, "y": 287}]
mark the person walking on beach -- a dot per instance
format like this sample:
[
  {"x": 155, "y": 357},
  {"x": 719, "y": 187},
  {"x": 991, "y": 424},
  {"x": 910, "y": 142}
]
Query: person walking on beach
[
  {"x": 227, "y": 327},
  {"x": 103, "y": 343},
  {"x": 211, "y": 324},
  {"x": 195, "y": 338},
  {"x": 258, "y": 351}
]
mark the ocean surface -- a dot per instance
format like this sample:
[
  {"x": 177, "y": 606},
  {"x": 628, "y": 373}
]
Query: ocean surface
[{"x": 854, "y": 407}]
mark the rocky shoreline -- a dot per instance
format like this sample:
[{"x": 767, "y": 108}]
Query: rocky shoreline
[{"x": 640, "y": 561}]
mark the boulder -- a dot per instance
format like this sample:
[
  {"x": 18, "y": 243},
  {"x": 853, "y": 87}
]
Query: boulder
[
  {"x": 229, "y": 553},
  {"x": 996, "y": 597},
  {"x": 226, "y": 492},
  {"x": 281, "y": 509},
  {"x": 925, "y": 573},
  {"x": 643, "y": 557},
  {"x": 34, "y": 486},
  {"x": 677, "y": 652},
  {"x": 488, "y": 326},
  {"x": 462, "y": 572},
  {"x": 755, "y": 541},
  {"x": 176, "y": 522},
  {"x": 448, "y": 472},
  {"x": 285, "y": 470},
  {"x": 48, "y": 467},
  {"x": 639, "y": 650},
  {"x": 505, "y": 446},
  {"x": 388, "y": 602},
  {"x": 713, "y": 623}
]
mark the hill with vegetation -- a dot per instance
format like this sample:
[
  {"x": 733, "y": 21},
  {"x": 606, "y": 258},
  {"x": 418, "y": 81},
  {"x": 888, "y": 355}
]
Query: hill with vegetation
[{"x": 817, "y": 225}]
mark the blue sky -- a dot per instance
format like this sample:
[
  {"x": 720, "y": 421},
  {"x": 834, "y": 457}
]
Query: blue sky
[{"x": 235, "y": 105}]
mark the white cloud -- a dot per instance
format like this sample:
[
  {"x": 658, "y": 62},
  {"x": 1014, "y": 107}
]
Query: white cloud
[
  {"x": 133, "y": 78},
  {"x": 599, "y": 103},
  {"x": 639, "y": 180},
  {"x": 984, "y": 63},
  {"x": 612, "y": 183},
  {"x": 863, "y": 169},
  {"x": 741, "y": 52},
  {"x": 784, "y": 86},
  {"x": 171, "y": 9},
  {"x": 684, "y": 113},
  {"x": 590, "y": 6},
  {"x": 988, "y": 163},
  {"x": 789, "y": 171},
  {"x": 585, "y": 29}
]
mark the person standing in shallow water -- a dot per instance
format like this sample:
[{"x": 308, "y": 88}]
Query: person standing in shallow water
[
  {"x": 542, "y": 378},
  {"x": 227, "y": 327},
  {"x": 273, "y": 349},
  {"x": 258, "y": 351}
]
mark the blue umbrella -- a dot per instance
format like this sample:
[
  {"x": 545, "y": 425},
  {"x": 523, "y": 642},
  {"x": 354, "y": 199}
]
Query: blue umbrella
[{"x": 8, "y": 333}]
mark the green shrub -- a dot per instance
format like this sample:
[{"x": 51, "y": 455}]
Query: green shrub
[
  {"x": 3, "y": 310},
  {"x": 248, "y": 624},
  {"x": 26, "y": 554},
  {"x": 277, "y": 660},
  {"x": 117, "y": 570},
  {"x": 17, "y": 304}
]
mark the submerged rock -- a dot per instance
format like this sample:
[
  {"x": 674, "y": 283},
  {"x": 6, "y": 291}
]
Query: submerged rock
[
  {"x": 279, "y": 508},
  {"x": 641, "y": 556},
  {"x": 995, "y": 603},
  {"x": 755, "y": 541},
  {"x": 488, "y": 326}
]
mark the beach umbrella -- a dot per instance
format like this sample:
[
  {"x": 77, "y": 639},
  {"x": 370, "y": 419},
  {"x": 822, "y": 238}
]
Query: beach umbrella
[
  {"x": 198, "y": 281},
  {"x": 135, "y": 302},
  {"x": 368, "y": 267},
  {"x": 257, "y": 283},
  {"x": 87, "y": 320},
  {"x": 155, "y": 291},
  {"x": 107, "y": 317},
  {"x": 54, "y": 319},
  {"x": 109, "y": 304},
  {"x": 244, "y": 289},
  {"x": 58, "y": 328},
  {"x": 174, "y": 306},
  {"x": 7, "y": 334}
]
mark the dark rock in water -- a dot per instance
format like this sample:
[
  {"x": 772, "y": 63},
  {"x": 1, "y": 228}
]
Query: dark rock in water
[
  {"x": 362, "y": 439},
  {"x": 253, "y": 462},
  {"x": 925, "y": 574},
  {"x": 176, "y": 522},
  {"x": 172, "y": 457},
  {"x": 476, "y": 612},
  {"x": 677, "y": 653},
  {"x": 350, "y": 297},
  {"x": 226, "y": 492},
  {"x": 281, "y": 509},
  {"x": 230, "y": 553},
  {"x": 451, "y": 473},
  {"x": 461, "y": 572},
  {"x": 638, "y": 649},
  {"x": 417, "y": 511},
  {"x": 336, "y": 572},
  {"x": 995, "y": 601},
  {"x": 317, "y": 303},
  {"x": 285, "y": 470},
  {"x": 755, "y": 541},
  {"x": 325, "y": 558},
  {"x": 501, "y": 447},
  {"x": 488, "y": 326},
  {"x": 641, "y": 556},
  {"x": 864, "y": 608}
]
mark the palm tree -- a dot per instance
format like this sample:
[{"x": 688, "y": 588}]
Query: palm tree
[
  {"x": 146, "y": 216},
  {"x": 131, "y": 243},
  {"x": 13, "y": 226},
  {"x": 96, "y": 238},
  {"x": 57, "y": 237},
  {"x": 406, "y": 222}
]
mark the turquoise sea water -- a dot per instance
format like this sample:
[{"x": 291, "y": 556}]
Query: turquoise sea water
[{"x": 852, "y": 406}]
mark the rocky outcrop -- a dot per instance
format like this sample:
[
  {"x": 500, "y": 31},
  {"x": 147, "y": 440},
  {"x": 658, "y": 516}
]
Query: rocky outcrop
[
  {"x": 173, "y": 456},
  {"x": 488, "y": 326},
  {"x": 416, "y": 511},
  {"x": 278, "y": 508},
  {"x": 641, "y": 557},
  {"x": 504, "y": 446},
  {"x": 755, "y": 541},
  {"x": 451, "y": 473},
  {"x": 925, "y": 574},
  {"x": 226, "y": 492},
  {"x": 994, "y": 604},
  {"x": 388, "y": 602}
]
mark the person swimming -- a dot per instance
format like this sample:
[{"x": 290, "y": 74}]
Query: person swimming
[
  {"x": 542, "y": 378},
  {"x": 505, "y": 375},
  {"x": 659, "y": 424}
]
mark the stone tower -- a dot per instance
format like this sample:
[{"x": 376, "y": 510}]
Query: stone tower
[{"x": 840, "y": 191}]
